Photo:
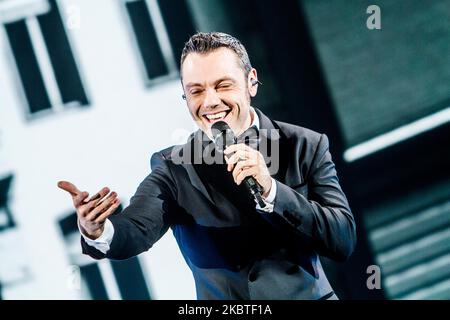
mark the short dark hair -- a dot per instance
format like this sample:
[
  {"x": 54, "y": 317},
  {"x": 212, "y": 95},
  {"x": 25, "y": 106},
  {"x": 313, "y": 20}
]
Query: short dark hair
[{"x": 206, "y": 42}]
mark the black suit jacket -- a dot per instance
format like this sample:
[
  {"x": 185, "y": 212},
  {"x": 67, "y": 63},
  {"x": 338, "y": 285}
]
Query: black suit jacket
[{"x": 237, "y": 253}]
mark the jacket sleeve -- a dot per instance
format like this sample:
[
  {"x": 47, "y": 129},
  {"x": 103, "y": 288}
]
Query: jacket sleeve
[
  {"x": 145, "y": 220},
  {"x": 318, "y": 212}
]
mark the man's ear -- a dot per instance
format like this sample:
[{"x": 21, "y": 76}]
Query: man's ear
[{"x": 253, "y": 82}]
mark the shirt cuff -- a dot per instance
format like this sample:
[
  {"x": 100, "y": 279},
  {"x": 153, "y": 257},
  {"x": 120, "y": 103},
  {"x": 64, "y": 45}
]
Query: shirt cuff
[
  {"x": 269, "y": 200},
  {"x": 103, "y": 242},
  {"x": 272, "y": 193}
]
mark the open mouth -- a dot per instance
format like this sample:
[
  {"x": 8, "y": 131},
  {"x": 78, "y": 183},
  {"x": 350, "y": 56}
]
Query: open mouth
[{"x": 218, "y": 116}]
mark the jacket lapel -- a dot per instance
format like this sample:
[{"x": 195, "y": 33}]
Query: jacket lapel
[
  {"x": 194, "y": 145},
  {"x": 286, "y": 172}
]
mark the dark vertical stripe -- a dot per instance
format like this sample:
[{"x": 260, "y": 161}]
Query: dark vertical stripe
[
  {"x": 179, "y": 24},
  {"x": 61, "y": 56},
  {"x": 68, "y": 224},
  {"x": 10, "y": 223},
  {"x": 130, "y": 279},
  {"x": 5, "y": 185},
  {"x": 91, "y": 273},
  {"x": 146, "y": 38},
  {"x": 27, "y": 65}
]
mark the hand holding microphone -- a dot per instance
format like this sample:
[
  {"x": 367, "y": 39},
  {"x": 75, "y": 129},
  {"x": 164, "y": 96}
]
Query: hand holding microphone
[{"x": 248, "y": 165}]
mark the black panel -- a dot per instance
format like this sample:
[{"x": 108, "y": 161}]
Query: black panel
[
  {"x": 179, "y": 25},
  {"x": 27, "y": 65},
  {"x": 382, "y": 79},
  {"x": 61, "y": 56},
  {"x": 5, "y": 185},
  {"x": 91, "y": 273},
  {"x": 69, "y": 224},
  {"x": 130, "y": 279},
  {"x": 403, "y": 167},
  {"x": 146, "y": 39}
]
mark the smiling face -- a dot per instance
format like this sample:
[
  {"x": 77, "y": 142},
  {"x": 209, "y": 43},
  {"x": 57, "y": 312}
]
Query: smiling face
[{"x": 217, "y": 88}]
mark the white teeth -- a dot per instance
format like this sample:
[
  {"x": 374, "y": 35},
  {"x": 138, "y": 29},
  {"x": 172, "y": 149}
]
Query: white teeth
[{"x": 216, "y": 116}]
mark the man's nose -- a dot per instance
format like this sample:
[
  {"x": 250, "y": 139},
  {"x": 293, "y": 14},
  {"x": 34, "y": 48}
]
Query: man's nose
[{"x": 211, "y": 99}]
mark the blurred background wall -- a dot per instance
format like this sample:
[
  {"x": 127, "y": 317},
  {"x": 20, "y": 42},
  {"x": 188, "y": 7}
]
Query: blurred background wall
[{"x": 81, "y": 82}]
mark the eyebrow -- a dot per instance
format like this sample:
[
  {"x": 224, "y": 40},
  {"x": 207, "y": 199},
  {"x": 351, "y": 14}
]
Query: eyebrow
[{"x": 192, "y": 84}]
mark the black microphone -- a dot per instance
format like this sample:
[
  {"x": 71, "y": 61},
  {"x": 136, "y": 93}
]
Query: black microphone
[{"x": 224, "y": 137}]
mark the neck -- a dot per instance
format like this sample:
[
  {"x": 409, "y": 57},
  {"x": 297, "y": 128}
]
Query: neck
[{"x": 248, "y": 122}]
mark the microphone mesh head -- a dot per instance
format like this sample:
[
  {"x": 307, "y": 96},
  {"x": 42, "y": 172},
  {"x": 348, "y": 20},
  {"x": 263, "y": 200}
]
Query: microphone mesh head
[
  {"x": 219, "y": 126},
  {"x": 223, "y": 135}
]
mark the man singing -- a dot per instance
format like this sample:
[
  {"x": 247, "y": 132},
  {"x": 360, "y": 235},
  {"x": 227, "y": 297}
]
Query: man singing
[{"x": 236, "y": 248}]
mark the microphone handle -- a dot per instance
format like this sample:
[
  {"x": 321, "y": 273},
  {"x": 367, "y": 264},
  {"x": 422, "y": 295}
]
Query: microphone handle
[{"x": 255, "y": 189}]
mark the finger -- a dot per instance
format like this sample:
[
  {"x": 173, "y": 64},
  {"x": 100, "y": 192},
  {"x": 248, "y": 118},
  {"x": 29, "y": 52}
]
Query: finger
[
  {"x": 240, "y": 156},
  {"x": 246, "y": 173},
  {"x": 103, "y": 206},
  {"x": 79, "y": 198},
  {"x": 109, "y": 197},
  {"x": 232, "y": 160},
  {"x": 237, "y": 156},
  {"x": 101, "y": 218},
  {"x": 85, "y": 208},
  {"x": 235, "y": 147},
  {"x": 107, "y": 206},
  {"x": 103, "y": 196},
  {"x": 69, "y": 187},
  {"x": 241, "y": 165},
  {"x": 99, "y": 195}
]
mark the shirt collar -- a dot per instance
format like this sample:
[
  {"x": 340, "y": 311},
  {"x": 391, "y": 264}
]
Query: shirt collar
[{"x": 255, "y": 121}]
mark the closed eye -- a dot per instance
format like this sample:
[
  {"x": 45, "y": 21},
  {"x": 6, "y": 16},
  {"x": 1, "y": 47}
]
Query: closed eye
[
  {"x": 225, "y": 85},
  {"x": 195, "y": 92}
]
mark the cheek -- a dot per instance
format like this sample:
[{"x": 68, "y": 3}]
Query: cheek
[
  {"x": 249, "y": 96},
  {"x": 193, "y": 110},
  {"x": 235, "y": 99}
]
